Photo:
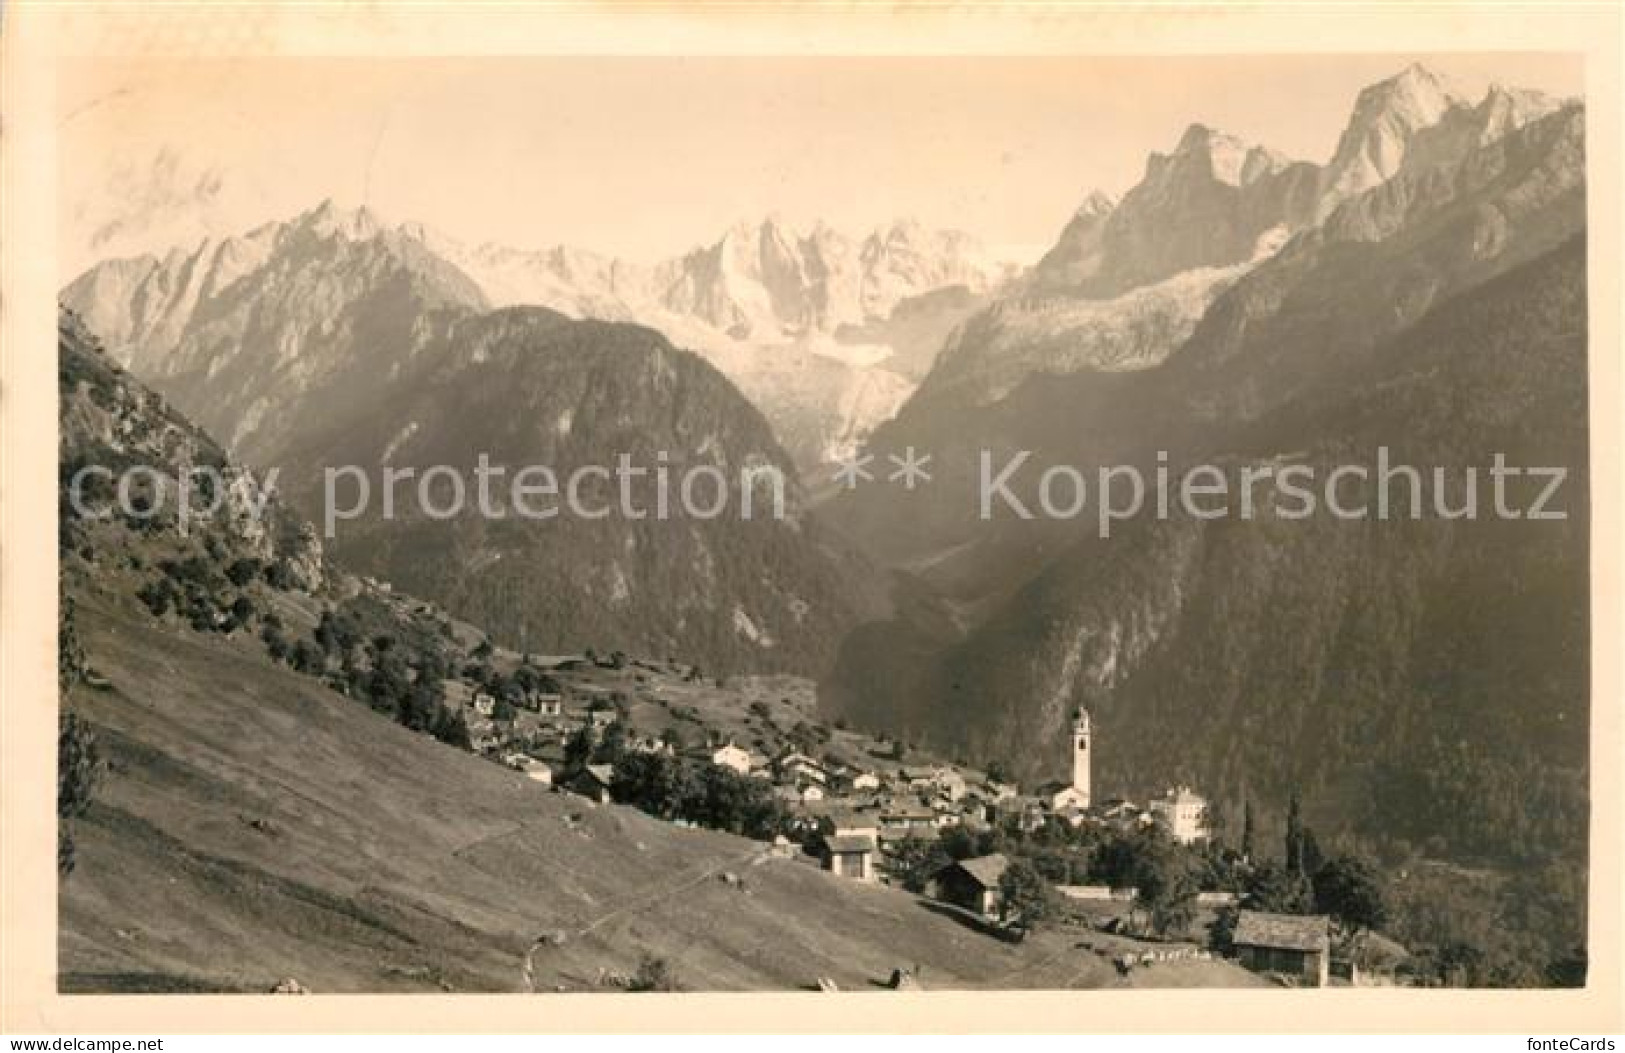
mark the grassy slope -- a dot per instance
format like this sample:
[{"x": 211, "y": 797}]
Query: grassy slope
[{"x": 255, "y": 826}]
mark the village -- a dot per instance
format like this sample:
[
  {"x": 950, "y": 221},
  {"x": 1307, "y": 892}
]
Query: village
[{"x": 869, "y": 808}]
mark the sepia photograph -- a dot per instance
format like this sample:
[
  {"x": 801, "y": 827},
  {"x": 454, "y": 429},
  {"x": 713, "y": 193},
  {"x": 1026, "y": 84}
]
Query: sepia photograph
[{"x": 872, "y": 523}]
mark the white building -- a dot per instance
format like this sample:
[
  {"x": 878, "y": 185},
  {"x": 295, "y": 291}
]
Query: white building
[
  {"x": 735, "y": 757},
  {"x": 1183, "y": 812},
  {"x": 1081, "y": 742}
]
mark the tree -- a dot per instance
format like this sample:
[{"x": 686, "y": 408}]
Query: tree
[
  {"x": 243, "y": 571},
  {"x": 1294, "y": 835},
  {"x": 654, "y": 974},
  {"x": 70, "y": 654},
  {"x": 577, "y": 749},
  {"x": 739, "y": 804},
  {"x": 1278, "y": 890},
  {"x": 1167, "y": 889},
  {"x": 1350, "y": 889},
  {"x": 962, "y": 842},
  {"x": 654, "y": 783},
  {"x": 1215, "y": 822},
  {"x": 1024, "y": 895},
  {"x": 78, "y": 770},
  {"x": 1221, "y": 936},
  {"x": 451, "y": 727},
  {"x": 611, "y": 745},
  {"x": 916, "y": 860},
  {"x": 1247, "y": 831}
]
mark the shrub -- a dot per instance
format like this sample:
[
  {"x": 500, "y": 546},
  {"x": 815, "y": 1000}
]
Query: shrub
[
  {"x": 78, "y": 770},
  {"x": 654, "y": 974}
]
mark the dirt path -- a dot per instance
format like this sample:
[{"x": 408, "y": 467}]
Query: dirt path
[{"x": 637, "y": 903}]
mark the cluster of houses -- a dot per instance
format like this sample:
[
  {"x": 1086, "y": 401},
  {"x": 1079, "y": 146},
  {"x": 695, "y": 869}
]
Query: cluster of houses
[
  {"x": 862, "y": 813},
  {"x": 855, "y": 816}
]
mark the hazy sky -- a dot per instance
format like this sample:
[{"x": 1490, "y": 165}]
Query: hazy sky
[{"x": 646, "y": 157}]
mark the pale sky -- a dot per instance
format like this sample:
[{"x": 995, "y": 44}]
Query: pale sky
[{"x": 648, "y": 157}]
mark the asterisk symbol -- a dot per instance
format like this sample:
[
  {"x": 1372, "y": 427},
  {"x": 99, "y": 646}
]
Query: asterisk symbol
[
  {"x": 910, "y": 468},
  {"x": 852, "y": 467}
]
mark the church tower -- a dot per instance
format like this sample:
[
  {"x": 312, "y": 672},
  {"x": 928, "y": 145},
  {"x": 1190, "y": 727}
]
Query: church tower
[{"x": 1080, "y": 755}]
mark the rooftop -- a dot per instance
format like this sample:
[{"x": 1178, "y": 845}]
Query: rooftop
[
  {"x": 1293, "y": 932},
  {"x": 850, "y": 843},
  {"x": 987, "y": 870}
]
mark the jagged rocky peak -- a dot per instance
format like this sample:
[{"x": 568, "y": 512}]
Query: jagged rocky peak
[
  {"x": 1205, "y": 204},
  {"x": 1387, "y": 115},
  {"x": 1504, "y": 109},
  {"x": 1207, "y": 152},
  {"x": 1075, "y": 257},
  {"x": 329, "y": 219}
]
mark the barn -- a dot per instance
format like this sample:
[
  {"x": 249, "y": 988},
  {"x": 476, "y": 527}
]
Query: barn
[{"x": 1296, "y": 946}]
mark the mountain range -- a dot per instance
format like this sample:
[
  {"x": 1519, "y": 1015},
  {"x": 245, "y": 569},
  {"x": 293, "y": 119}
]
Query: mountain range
[
  {"x": 274, "y": 811},
  {"x": 776, "y": 310},
  {"x": 1422, "y": 289}
]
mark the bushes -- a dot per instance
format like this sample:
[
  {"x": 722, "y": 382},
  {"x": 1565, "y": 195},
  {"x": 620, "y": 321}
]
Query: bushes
[
  {"x": 654, "y": 974},
  {"x": 78, "y": 771},
  {"x": 711, "y": 796},
  {"x": 243, "y": 571}
]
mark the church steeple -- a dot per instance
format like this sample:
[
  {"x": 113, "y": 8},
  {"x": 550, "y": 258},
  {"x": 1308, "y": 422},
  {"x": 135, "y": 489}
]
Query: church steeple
[{"x": 1080, "y": 755}]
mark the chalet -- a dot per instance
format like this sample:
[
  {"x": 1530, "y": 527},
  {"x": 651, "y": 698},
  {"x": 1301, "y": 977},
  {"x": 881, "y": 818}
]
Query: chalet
[
  {"x": 1183, "y": 812},
  {"x": 974, "y": 883},
  {"x": 798, "y": 767},
  {"x": 865, "y": 780},
  {"x": 536, "y": 771},
  {"x": 1096, "y": 893},
  {"x": 996, "y": 791},
  {"x": 849, "y": 855},
  {"x": 737, "y": 758},
  {"x": 949, "y": 783},
  {"x": 1123, "y": 815},
  {"x": 861, "y": 824},
  {"x": 601, "y": 718},
  {"x": 905, "y": 819},
  {"x": 1027, "y": 811},
  {"x": 530, "y": 766},
  {"x": 592, "y": 782},
  {"x": 484, "y": 704},
  {"x": 547, "y": 704},
  {"x": 649, "y": 744},
  {"x": 917, "y": 778},
  {"x": 1289, "y": 945}
]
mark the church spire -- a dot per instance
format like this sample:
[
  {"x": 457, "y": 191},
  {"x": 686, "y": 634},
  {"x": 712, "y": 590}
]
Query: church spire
[{"x": 1081, "y": 748}]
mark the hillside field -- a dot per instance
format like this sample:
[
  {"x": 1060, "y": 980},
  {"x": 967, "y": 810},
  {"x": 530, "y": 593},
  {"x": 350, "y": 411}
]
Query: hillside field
[{"x": 254, "y": 826}]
